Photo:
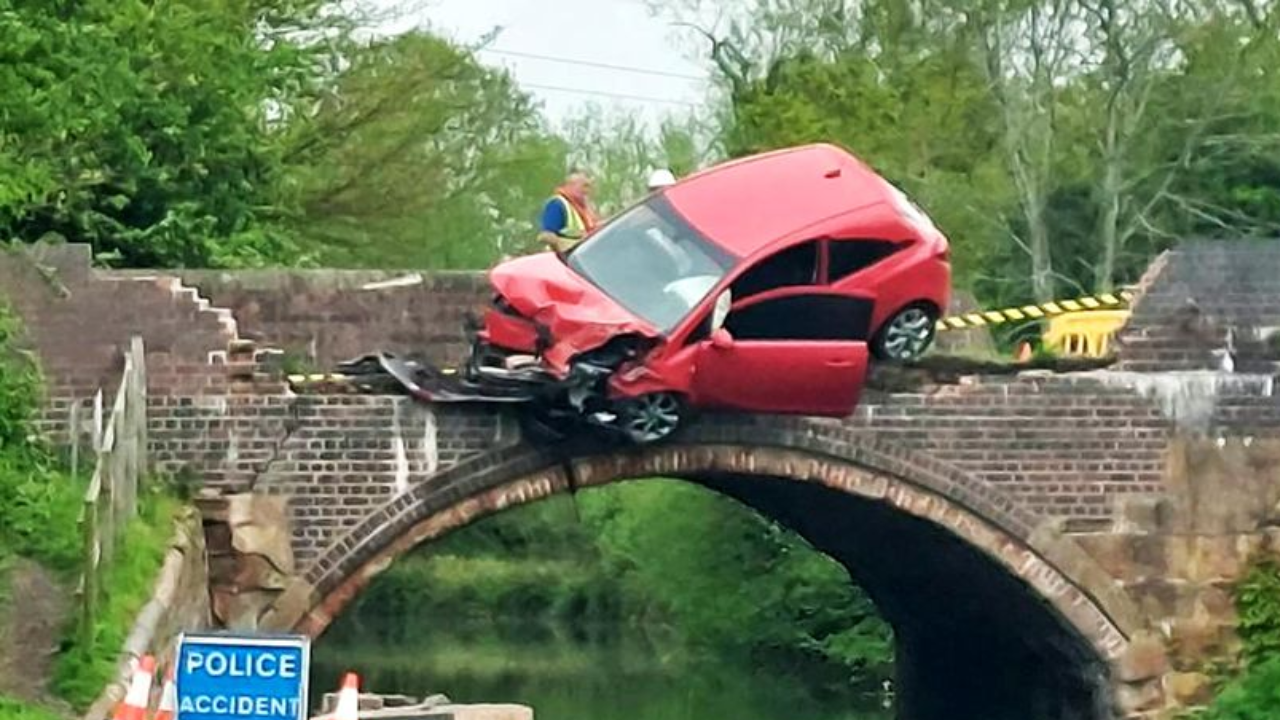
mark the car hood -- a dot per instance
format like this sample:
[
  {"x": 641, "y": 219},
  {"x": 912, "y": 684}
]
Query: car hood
[{"x": 578, "y": 315}]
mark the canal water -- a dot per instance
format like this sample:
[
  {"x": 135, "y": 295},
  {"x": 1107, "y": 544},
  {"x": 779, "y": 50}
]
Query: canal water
[{"x": 571, "y": 674}]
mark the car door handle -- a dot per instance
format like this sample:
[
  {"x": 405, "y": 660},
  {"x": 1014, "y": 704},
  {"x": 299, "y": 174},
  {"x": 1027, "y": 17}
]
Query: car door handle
[{"x": 839, "y": 363}]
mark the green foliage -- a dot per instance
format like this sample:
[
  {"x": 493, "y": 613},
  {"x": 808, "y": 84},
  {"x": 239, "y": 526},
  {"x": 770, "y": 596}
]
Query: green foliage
[
  {"x": 492, "y": 588},
  {"x": 38, "y": 515},
  {"x": 1258, "y": 605},
  {"x": 418, "y": 156},
  {"x": 82, "y": 671},
  {"x": 661, "y": 555},
  {"x": 142, "y": 127},
  {"x": 1062, "y": 175},
  {"x": 1254, "y": 695},
  {"x": 19, "y": 385},
  {"x": 11, "y": 709},
  {"x": 620, "y": 151},
  {"x": 729, "y": 578}
]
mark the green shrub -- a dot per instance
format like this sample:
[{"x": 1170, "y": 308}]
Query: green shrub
[
  {"x": 19, "y": 386},
  {"x": 38, "y": 516},
  {"x": 1258, "y": 604},
  {"x": 1255, "y": 695}
]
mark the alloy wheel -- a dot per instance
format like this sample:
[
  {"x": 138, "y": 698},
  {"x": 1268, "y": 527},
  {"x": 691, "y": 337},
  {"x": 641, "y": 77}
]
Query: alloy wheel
[
  {"x": 908, "y": 334},
  {"x": 650, "y": 418}
]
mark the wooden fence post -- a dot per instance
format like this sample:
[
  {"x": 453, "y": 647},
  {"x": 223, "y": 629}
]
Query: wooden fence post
[
  {"x": 73, "y": 436},
  {"x": 139, "y": 351},
  {"x": 90, "y": 582},
  {"x": 97, "y": 422}
]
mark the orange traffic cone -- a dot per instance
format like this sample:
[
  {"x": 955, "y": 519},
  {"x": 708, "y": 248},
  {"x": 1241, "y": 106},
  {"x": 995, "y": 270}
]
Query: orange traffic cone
[
  {"x": 168, "y": 699},
  {"x": 138, "y": 698},
  {"x": 348, "y": 699},
  {"x": 1024, "y": 352}
]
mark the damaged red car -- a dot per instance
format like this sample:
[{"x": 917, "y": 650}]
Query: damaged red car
[{"x": 765, "y": 284}]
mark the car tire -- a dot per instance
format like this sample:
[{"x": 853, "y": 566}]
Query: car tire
[
  {"x": 652, "y": 417},
  {"x": 907, "y": 335}
]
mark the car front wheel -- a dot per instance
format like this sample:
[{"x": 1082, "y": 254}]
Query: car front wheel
[
  {"x": 651, "y": 418},
  {"x": 907, "y": 335}
]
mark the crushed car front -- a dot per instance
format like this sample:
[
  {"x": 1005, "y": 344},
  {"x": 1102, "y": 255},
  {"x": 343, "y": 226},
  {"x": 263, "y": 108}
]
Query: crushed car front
[{"x": 616, "y": 294}]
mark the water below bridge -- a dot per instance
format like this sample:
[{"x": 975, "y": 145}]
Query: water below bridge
[{"x": 573, "y": 673}]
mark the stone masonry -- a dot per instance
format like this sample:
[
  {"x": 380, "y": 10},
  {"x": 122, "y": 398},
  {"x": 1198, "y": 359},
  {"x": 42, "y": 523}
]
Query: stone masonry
[{"x": 1128, "y": 499}]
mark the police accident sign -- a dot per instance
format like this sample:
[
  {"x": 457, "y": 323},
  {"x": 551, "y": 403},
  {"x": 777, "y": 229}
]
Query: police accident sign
[{"x": 247, "y": 677}]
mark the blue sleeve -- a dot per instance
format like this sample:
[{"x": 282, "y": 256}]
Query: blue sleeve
[{"x": 553, "y": 216}]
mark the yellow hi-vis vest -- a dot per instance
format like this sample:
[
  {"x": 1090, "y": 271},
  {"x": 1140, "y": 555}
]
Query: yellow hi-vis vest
[{"x": 574, "y": 226}]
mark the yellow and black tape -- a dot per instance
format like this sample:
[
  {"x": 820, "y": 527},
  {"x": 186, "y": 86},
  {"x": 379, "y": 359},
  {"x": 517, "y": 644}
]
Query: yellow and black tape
[
  {"x": 315, "y": 379},
  {"x": 1105, "y": 301}
]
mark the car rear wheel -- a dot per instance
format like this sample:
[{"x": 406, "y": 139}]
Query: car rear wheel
[
  {"x": 651, "y": 418},
  {"x": 907, "y": 335}
]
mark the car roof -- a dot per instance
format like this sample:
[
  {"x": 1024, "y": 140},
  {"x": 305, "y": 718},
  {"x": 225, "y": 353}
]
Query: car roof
[{"x": 747, "y": 204}]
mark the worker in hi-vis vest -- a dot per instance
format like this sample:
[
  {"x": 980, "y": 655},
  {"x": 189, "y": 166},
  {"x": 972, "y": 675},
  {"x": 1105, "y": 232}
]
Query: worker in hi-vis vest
[{"x": 567, "y": 217}]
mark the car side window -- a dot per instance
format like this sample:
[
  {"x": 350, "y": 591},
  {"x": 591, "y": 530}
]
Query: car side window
[
  {"x": 848, "y": 256},
  {"x": 802, "y": 317},
  {"x": 796, "y": 265}
]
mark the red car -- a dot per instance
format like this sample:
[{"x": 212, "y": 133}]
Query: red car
[{"x": 762, "y": 284}]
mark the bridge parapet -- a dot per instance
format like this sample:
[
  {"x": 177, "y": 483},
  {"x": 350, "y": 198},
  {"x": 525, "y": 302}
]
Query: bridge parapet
[{"x": 1130, "y": 499}]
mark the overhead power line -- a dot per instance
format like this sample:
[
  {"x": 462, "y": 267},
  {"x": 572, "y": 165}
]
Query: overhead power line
[
  {"x": 592, "y": 63},
  {"x": 604, "y": 93}
]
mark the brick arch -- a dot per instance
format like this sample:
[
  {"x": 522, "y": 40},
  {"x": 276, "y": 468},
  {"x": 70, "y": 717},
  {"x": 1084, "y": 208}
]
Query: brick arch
[{"x": 807, "y": 451}]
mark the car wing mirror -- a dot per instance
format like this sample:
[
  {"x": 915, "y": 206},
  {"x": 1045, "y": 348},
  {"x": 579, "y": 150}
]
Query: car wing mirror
[
  {"x": 721, "y": 339},
  {"x": 721, "y": 311}
]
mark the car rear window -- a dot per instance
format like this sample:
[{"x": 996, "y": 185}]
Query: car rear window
[{"x": 848, "y": 256}]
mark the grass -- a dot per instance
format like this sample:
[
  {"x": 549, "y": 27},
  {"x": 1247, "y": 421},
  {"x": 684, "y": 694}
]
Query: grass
[
  {"x": 15, "y": 710},
  {"x": 82, "y": 671}
]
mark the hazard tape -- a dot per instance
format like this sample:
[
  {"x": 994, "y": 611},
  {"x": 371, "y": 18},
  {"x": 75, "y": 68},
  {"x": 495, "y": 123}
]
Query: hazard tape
[
  {"x": 308, "y": 379},
  {"x": 1036, "y": 312}
]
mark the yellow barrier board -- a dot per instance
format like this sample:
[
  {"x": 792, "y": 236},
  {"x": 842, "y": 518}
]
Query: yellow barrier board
[{"x": 1051, "y": 309}]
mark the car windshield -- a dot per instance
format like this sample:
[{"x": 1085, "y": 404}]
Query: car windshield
[{"x": 652, "y": 263}]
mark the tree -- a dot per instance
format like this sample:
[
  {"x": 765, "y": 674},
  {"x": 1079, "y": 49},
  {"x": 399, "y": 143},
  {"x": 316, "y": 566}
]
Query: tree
[
  {"x": 417, "y": 156},
  {"x": 621, "y": 150},
  {"x": 1117, "y": 127},
  {"x": 893, "y": 87},
  {"x": 140, "y": 127},
  {"x": 1026, "y": 53}
]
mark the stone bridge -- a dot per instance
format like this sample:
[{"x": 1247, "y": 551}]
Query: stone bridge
[{"x": 1046, "y": 546}]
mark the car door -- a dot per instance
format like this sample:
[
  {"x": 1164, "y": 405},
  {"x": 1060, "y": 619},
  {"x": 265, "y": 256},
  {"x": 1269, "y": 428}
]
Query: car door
[{"x": 784, "y": 354}]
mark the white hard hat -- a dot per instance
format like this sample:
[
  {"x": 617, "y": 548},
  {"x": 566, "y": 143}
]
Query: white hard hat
[{"x": 661, "y": 178}]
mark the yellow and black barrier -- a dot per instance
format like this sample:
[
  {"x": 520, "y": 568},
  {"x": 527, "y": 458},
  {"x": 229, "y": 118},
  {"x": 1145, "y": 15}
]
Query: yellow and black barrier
[
  {"x": 316, "y": 379},
  {"x": 983, "y": 318}
]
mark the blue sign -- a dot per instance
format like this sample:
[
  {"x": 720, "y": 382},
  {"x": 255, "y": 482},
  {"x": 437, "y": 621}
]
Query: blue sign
[{"x": 247, "y": 677}]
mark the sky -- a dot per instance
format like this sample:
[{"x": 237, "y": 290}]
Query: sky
[{"x": 571, "y": 38}]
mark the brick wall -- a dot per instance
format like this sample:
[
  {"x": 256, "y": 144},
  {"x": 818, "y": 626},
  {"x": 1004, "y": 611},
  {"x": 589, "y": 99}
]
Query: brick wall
[
  {"x": 335, "y": 457},
  {"x": 79, "y": 320},
  {"x": 328, "y": 316},
  {"x": 1068, "y": 447},
  {"x": 1204, "y": 299}
]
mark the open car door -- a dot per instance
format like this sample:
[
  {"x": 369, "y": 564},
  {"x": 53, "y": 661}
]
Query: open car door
[{"x": 785, "y": 354}]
